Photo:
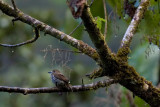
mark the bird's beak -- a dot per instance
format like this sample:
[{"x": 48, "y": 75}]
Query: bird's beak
[{"x": 50, "y": 72}]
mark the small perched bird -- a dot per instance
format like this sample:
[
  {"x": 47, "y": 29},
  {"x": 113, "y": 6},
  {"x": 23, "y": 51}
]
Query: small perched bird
[{"x": 59, "y": 80}]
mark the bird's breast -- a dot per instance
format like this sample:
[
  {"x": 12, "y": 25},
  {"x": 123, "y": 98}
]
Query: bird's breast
[{"x": 56, "y": 80}]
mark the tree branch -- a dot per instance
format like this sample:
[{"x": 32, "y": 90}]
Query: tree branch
[
  {"x": 80, "y": 45},
  {"x": 76, "y": 88},
  {"x": 131, "y": 30},
  {"x": 118, "y": 68},
  {"x": 124, "y": 49},
  {"x": 96, "y": 36}
]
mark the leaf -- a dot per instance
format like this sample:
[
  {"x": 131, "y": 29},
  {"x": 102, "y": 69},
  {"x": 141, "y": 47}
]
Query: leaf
[{"x": 99, "y": 21}]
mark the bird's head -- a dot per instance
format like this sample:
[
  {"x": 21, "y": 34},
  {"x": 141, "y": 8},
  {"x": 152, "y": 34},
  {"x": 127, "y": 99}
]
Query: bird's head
[{"x": 54, "y": 71}]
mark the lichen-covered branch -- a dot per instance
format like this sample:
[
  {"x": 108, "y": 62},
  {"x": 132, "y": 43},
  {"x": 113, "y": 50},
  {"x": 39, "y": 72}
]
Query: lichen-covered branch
[
  {"x": 124, "y": 49},
  {"x": 131, "y": 30},
  {"x": 80, "y": 45},
  {"x": 76, "y": 88}
]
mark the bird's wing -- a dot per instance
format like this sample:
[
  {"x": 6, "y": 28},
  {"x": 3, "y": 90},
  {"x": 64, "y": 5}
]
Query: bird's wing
[{"x": 61, "y": 77}]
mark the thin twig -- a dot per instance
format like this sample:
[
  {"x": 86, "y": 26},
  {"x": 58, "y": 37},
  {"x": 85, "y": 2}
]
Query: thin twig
[
  {"x": 63, "y": 50},
  {"x": 91, "y": 3},
  {"x": 105, "y": 14},
  {"x": 83, "y": 83},
  {"x": 16, "y": 10},
  {"x": 14, "y": 5},
  {"x": 76, "y": 28},
  {"x": 109, "y": 16},
  {"x": 24, "y": 43}
]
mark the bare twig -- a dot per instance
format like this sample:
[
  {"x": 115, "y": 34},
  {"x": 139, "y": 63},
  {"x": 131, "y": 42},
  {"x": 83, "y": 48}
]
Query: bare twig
[
  {"x": 76, "y": 28},
  {"x": 109, "y": 16},
  {"x": 105, "y": 14},
  {"x": 63, "y": 50},
  {"x": 83, "y": 83},
  {"x": 130, "y": 99},
  {"x": 14, "y": 5},
  {"x": 24, "y": 43},
  {"x": 16, "y": 10},
  {"x": 91, "y": 3},
  {"x": 76, "y": 88}
]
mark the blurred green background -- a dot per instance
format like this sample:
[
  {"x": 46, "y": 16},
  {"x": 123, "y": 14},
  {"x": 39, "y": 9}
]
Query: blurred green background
[{"x": 28, "y": 66}]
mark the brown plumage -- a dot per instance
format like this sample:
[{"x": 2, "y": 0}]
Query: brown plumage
[
  {"x": 60, "y": 76},
  {"x": 59, "y": 79}
]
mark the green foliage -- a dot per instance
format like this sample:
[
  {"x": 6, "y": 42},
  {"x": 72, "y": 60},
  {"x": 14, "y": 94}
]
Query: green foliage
[
  {"x": 141, "y": 103},
  {"x": 128, "y": 100},
  {"x": 99, "y": 21},
  {"x": 150, "y": 55},
  {"x": 150, "y": 23}
]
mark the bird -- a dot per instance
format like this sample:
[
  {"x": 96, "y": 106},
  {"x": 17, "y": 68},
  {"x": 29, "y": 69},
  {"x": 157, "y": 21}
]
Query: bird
[{"x": 59, "y": 80}]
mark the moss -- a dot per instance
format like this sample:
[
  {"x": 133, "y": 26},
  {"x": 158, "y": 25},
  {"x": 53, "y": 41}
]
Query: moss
[
  {"x": 95, "y": 74},
  {"x": 122, "y": 54}
]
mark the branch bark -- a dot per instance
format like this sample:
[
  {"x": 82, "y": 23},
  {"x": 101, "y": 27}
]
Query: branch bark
[
  {"x": 131, "y": 30},
  {"x": 96, "y": 36},
  {"x": 76, "y": 88}
]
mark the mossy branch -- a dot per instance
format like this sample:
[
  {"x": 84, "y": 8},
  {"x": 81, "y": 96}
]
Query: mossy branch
[
  {"x": 96, "y": 36},
  {"x": 116, "y": 66}
]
